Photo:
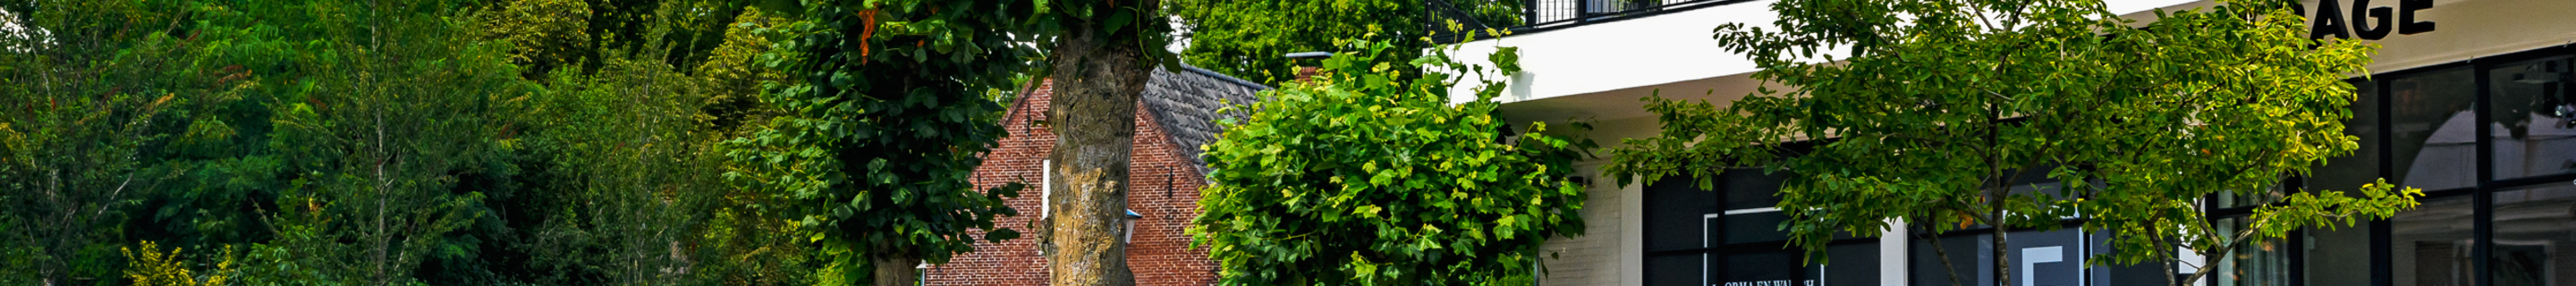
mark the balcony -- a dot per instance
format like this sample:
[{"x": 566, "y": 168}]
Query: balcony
[{"x": 1524, "y": 16}]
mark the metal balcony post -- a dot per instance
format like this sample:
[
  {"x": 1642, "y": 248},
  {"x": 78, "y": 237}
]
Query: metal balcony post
[
  {"x": 1583, "y": 10},
  {"x": 1529, "y": 12}
]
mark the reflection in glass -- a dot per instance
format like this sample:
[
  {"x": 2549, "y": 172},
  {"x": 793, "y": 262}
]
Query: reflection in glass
[
  {"x": 1749, "y": 226},
  {"x": 2533, "y": 228},
  {"x": 2530, "y": 103},
  {"x": 2434, "y": 129},
  {"x": 1963, "y": 254},
  {"x": 1759, "y": 268},
  {"x": 2334, "y": 257},
  {"x": 2362, "y": 166},
  {"x": 1676, "y": 269},
  {"x": 2255, "y": 263},
  {"x": 1676, "y": 216},
  {"x": 2238, "y": 200},
  {"x": 2431, "y": 244},
  {"x": 1851, "y": 265}
]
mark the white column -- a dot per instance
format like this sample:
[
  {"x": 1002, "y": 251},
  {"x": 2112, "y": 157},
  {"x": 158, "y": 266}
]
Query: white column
[
  {"x": 1892, "y": 266},
  {"x": 1632, "y": 240}
]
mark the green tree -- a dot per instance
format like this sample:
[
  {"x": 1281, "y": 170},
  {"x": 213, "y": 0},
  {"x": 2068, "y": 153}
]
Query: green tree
[
  {"x": 1364, "y": 178},
  {"x": 891, "y": 112},
  {"x": 154, "y": 268},
  {"x": 633, "y": 179},
  {"x": 549, "y": 33},
  {"x": 92, "y": 92},
  {"x": 1100, "y": 53},
  {"x": 1251, "y": 38},
  {"x": 885, "y": 118},
  {"x": 387, "y": 126},
  {"x": 1942, "y": 108},
  {"x": 743, "y": 242},
  {"x": 378, "y": 142}
]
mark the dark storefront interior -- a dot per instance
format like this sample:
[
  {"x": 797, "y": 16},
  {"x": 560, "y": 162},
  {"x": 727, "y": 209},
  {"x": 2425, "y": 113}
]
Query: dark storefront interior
[{"x": 2491, "y": 141}]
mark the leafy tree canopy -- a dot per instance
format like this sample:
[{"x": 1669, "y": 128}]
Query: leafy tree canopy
[
  {"x": 1249, "y": 38},
  {"x": 1364, "y": 178},
  {"x": 1941, "y": 107},
  {"x": 885, "y": 118}
]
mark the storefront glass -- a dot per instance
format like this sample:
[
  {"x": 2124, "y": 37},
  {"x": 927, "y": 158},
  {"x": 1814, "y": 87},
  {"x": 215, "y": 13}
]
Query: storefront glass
[
  {"x": 1963, "y": 256},
  {"x": 1731, "y": 237},
  {"x": 2349, "y": 172},
  {"x": 2434, "y": 128},
  {"x": 2253, "y": 263},
  {"x": 2530, "y": 103},
  {"x": 1854, "y": 264},
  {"x": 2533, "y": 229},
  {"x": 2339, "y": 256},
  {"x": 2431, "y": 244}
]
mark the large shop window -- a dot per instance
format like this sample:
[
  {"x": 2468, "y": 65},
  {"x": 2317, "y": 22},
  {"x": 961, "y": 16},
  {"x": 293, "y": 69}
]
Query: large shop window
[
  {"x": 2252, "y": 263},
  {"x": 2350, "y": 171},
  {"x": 2334, "y": 254},
  {"x": 2051, "y": 258},
  {"x": 2530, "y": 105},
  {"x": 2434, "y": 128},
  {"x": 1731, "y": 236},
  {"x": 2533, "y": 229},
  {"x": 2431, "y": 244}
]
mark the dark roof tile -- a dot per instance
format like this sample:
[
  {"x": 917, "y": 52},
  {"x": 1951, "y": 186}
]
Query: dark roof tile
[{"x": 1185, "y": 103}]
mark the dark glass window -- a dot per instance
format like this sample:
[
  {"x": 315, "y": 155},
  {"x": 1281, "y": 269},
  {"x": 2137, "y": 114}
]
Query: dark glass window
[
  {"x": 2529, "y": 101},
  {"x": 2047, "y": 258},
  {"x": 2362, "y": 166},
  {"x": 1851, "y": 265},
  {"x": 1676, "y": 215},
  {"x": 2339, "y": 255},
  {"x": 2040, "y": 258},
  {"x": 2534, "y": 227},
  {"x": 1775, "y": 267},
  {"x": 1676, "y": 269},
  {"x": 2249, "y": 199},
  {"x": 2430, "y": 245},
  {"x": 2334, "y": 254},
  {"x": 1965, "y": 254},
  {"x": 2255, "y": 263},
  {"x": 2433, "y": 128},
  {"x": 1754, "y": 225},
  {"x": 2148, "y": 273}
]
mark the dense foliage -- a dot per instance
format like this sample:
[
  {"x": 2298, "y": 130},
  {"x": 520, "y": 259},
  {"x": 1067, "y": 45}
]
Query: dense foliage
[
  {"x": 1364, "y": 178},
  {"x": 383, "y": 142},
  {"x": 1250, "y": 38},
  {"x": 1941, "y": 109},
  {"x": 520, "y": 142},
  {"x": 886, "y": 113}
]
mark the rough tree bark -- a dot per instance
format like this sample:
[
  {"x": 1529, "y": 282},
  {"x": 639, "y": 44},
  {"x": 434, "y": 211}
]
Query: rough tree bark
[
  {"x": 1098, "y": 76},
  {"x": 896, "y": 271}
]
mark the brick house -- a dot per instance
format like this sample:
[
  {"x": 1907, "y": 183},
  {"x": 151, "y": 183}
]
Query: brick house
[{"x": 1176, "y": 115}]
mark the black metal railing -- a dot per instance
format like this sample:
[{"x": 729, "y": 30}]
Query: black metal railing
[{"x": 1521, "y": 16}]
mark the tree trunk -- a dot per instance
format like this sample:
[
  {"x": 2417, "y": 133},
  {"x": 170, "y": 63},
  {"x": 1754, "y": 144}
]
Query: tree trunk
[
  {"x": 2168, "y": 266},
  {"x": 1098, "y": 76},
  {"x": 896, "y": 271},
  {"x": 1941, "y": 250},
  {"x": 2003, "y": 260}
]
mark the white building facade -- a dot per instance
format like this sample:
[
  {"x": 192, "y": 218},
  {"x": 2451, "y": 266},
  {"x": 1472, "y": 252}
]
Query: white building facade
[{"x": 2467, "y": 99}]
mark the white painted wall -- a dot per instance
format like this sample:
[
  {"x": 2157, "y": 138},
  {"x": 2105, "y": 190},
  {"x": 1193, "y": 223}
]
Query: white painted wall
[
  {"x": 1620, "y": 54},
  {"x": 1638, "y": 52},
  {"x": 1597, "y": 71},
  {"x": 1607, "y": 253}
]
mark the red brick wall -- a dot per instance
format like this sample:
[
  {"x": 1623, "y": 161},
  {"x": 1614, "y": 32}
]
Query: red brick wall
[{"x": 1162, "y": 187}]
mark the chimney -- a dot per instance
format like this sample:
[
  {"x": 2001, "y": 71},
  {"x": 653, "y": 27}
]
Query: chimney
[{"x": 1305, "y": 68}]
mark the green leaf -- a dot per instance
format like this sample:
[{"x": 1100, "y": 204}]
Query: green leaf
[{"x": 1119, "y": 20}]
